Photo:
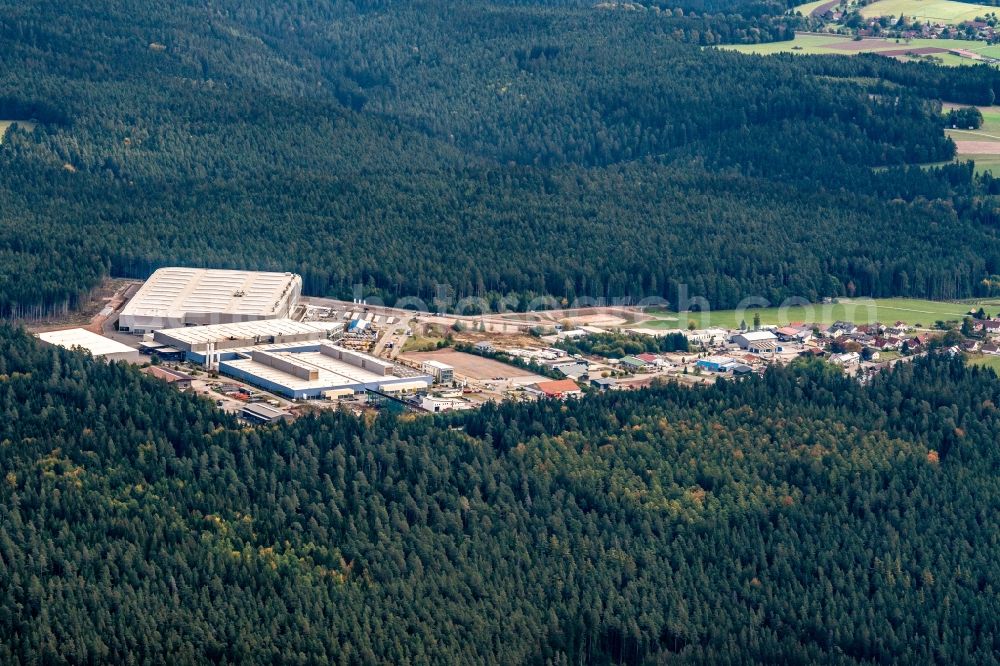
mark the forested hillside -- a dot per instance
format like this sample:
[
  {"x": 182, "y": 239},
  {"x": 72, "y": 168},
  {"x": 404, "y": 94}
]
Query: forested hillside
[
  {"x": 501, "y": 148},
  {"x": 794, "y": 518}
]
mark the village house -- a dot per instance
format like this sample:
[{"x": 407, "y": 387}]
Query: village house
[
  {"x": 988, "y": 326},
  {"x": 848, "y": 359}
]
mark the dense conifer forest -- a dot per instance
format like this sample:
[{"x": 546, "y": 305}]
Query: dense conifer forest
[
  {"x": 798, "y": 517},
  {"x": 503, "y": 148},
  {"x": 517, "y": 148}
]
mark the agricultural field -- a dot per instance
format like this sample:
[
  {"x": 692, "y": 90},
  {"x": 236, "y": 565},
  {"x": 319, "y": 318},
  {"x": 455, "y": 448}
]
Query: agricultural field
[
  {"x": 982, "y": 146},
  {"x": 943, "y": 51},
  {"x": 983, "y": 163},
  {"x": 947, "y": 12},
  {"x": 861, "y": 311},
  {"x": 985, "y": 360},
  {"x": 809, "y": 7},
  {"x": 24, "y": 125}
]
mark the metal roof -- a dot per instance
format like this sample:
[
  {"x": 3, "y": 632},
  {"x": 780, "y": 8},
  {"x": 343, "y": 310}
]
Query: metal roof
[
  {"x": 263, "y": 411},
  {"x": 756, "y": 336},
  {"x": 247, "y": 330},
  {"x": 329, "y": 372},
  {"x": 92, "y": 342},
  {"x": 173, "y": 292}
]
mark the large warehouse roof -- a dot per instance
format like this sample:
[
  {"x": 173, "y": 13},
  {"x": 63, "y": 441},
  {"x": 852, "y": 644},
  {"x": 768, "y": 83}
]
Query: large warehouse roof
[
  {"x": 311, "y": 373},
  {"x": 92, "y": 342},
  {"x": 172, "y": 293},
  {"x": 246, "y": 332}
]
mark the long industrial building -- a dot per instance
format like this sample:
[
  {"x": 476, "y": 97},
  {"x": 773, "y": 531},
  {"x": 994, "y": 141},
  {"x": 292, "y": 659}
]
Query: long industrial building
[
  {"x": 196, "y": 341},
  {"x": 177, "y": 297},
  {"x": 96, "y": 345},
  {"x": 318, "y": 370}
]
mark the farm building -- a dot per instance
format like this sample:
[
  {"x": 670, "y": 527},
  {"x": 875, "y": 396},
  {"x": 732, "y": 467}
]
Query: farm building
[
  {"x": 744, "y": 340},
  {"x": 196, "y": 341},
  {"x": 175, "y": 297},
  {"x": 314, "y": 370},
  {"x": 96, "y": 345}
]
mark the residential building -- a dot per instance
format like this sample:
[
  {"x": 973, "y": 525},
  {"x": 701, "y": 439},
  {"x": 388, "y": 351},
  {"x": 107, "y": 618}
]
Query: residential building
[{"x": 847, "y": 359}]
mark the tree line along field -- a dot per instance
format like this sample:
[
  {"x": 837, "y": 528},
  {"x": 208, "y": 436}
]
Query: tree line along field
[
  {"x": 822, "y": 44},
  {"x": 981, "y": 145},
  {"x": 860, "y": 311}
]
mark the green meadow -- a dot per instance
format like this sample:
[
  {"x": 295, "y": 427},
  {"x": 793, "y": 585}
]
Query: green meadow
[
  {"x": 821, "y": 44},
  {"x": 859, "y": 310},
  {"x": 24, "y": 125},
  {"x": 948, "y": 12},
  {"x": 985, "y": 360}
]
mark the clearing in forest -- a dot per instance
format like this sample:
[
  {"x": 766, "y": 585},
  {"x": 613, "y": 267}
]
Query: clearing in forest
[{"x": 25, "y": 125}]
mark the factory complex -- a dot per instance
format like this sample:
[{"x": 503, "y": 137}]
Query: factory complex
[
  {"x": 319, "y": 370},
  {"x": 176, "y": 297},
  {"x": 290, "y": 358}
]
